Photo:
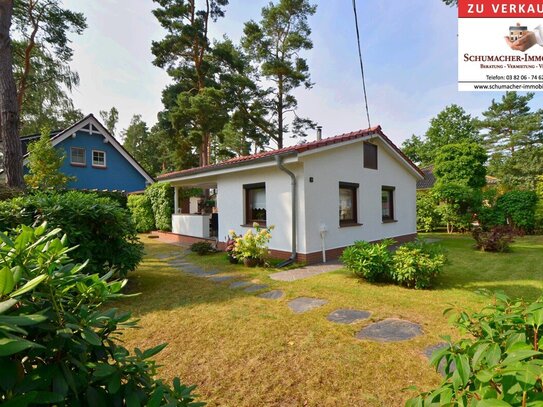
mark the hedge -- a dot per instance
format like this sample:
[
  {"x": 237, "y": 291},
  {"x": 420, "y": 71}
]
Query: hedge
[
  {"x": 517, "y": 208},
  {"x": 142, "y": 213},
  {"x": 161, "y": 196},
  {"x": 102, "y": 231}
]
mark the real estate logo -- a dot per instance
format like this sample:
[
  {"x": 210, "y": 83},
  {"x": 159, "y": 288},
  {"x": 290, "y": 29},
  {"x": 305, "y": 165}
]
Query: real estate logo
[{"x": 500, "y": 45}]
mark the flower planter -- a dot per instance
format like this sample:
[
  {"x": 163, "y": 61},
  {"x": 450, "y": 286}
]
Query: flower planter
[{"x": 250, "y": 262}]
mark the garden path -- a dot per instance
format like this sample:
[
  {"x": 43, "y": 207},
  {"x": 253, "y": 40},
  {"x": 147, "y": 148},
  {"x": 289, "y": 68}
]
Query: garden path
[
  {"x": 388, "y": 330},
  {"x": 306, "y": 271}
]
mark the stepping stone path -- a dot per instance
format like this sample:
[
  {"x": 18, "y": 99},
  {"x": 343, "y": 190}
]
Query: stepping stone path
[
  {"x": 305, "y": 272},
  {"x": 239, "y": 284},
  {"x": 272, "y": 295},
  {"x": 304, "y": 304},
  {"x": 256, "y": 287},
  {"x": 347, "y": 316},
  {"x": 390, "y": 330},
  {"x": 431, "y": 349}
]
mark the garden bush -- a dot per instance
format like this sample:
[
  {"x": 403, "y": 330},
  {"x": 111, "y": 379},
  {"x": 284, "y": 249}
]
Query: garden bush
[
  {"x": 252, "y": 248},
  {"x": 161, "y": 196},
  {"x": 539, "y": 205},
  {"x": 416, "y": 264},
  {"x": 496, "y": 239},
  {"x": 371, "y": 261},
  {"x": 499, "y": 364},
  {"x": 102, "y": 231},
  {"x": 202, "y": 248},
  {"x": 141, "y": 212},
  {"x": 59, "y": 345},
  {"x": 120, "y": 197},
  {"x": 517, "y": 208},
  {"x": 428, "y": 216}
]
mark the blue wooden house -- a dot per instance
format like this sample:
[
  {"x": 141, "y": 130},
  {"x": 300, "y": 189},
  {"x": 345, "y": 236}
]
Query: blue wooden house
[{"x": 95, "y": 158}]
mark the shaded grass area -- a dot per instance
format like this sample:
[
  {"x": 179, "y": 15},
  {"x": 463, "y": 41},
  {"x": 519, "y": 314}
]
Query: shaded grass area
[{"x": 245, "y": 351}]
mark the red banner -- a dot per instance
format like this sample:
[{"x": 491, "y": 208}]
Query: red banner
[{"x": 500, "y": 9}]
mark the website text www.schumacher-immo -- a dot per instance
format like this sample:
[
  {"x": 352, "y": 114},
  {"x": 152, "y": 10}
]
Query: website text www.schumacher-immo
[{"x": 509, "y": 86}]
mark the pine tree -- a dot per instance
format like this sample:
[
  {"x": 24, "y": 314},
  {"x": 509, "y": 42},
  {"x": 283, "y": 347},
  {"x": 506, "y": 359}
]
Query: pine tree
[
  {"x": 276, "y": 43},
  {"x": 511, "y": 131},
  {"x": 184, "y": 53}
]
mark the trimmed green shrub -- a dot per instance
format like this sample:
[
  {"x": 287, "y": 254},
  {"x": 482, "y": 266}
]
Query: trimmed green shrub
[
  {"x": 142, "y": 213},
  {"x": 202, "y": 248},
  {"x": 517, "y": 209},
  {"x": 496, "y": 239},
  {"x": 539, "y": 205},
  {"x": 370, "y": 261},
  {"x": 102, "y": 231},
  {"x": 120, "y": 197},
  {"x": 500, "y": 363},
  {"x": 161, "y": 196},
  {"x": 428, "y": 216},
  {"x": 416, "y": 264},
  {"x": 59, "y": 345}
]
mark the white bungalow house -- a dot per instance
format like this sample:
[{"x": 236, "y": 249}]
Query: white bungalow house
[{"x": 320, "y": 196}]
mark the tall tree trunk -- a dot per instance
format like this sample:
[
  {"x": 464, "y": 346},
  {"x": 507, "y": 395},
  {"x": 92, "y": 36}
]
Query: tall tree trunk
[
  {"x": 205, "y": 150},
  {"x": 280, "y": 113},
  {"x": 9, "y": 112},
  {"x": 28, "y": 53}
]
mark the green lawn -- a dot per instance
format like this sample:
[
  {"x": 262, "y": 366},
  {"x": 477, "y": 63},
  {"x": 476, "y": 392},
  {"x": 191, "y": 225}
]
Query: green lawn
[{"x": 245, "y": 351}]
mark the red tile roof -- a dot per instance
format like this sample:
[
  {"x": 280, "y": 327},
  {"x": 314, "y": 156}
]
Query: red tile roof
[{"x": 300, "y": 148}]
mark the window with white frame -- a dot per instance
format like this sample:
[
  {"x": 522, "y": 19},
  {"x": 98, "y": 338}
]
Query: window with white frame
[
  {"x": 77, "y": 156},
  {"x": 98, "y": 158}
]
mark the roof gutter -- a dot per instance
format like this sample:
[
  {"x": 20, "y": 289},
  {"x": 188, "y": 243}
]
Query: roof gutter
[
  {"x": 219, "y": 167},
  {"x": 280, "y": 165}
]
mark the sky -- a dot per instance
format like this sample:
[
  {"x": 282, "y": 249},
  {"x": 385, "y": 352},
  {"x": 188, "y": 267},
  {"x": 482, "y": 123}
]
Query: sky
[{"x": 409, "y": 50}]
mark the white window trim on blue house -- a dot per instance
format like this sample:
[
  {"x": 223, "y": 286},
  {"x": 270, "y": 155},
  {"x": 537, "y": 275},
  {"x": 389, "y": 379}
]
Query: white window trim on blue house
[
  {"x": 75, "y": 158},
  {"x": 96, "y": 161},
  {"x": 108, "y": 138}
]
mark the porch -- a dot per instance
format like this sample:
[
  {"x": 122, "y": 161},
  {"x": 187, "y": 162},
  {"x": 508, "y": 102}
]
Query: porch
[{"x": 195, "y": 215}]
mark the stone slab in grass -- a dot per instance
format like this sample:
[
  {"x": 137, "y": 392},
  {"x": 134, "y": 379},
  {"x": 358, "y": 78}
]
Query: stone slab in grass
[
  {"x": 239, "y": 284},
  {"x": 256, "y": 287},
  {"x": 390, "y": 330},
  {"x": 347, "y": 316},
  {"x": 304, "y": 304},
  {"x": 431, "y": 349},
  {"x": 272, "y": 295},
  {"x": 221, "y": 279}
]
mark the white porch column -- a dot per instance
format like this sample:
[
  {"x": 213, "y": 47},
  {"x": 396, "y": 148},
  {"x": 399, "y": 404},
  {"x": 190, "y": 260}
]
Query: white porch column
[{"x": 176, "y": 200}]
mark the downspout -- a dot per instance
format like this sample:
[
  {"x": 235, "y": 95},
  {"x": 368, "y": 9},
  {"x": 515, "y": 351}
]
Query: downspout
[{"x": 279, "y": 162}]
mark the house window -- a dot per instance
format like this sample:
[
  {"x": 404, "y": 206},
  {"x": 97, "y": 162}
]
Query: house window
[
  {"x": 370, "y": 156},
  {"x": 255, "y": 204},
  {"x": 98, "y": 158},
  {"x": 77, "y": 156},
  {"x": 348, "y": 204},
  {"x": 387, "y": 204}
]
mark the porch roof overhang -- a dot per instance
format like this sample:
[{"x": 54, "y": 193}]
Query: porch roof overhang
[{"x": 207, "y": 178}]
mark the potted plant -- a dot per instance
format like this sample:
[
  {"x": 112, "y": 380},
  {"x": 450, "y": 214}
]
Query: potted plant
[
  {"x": 230, "y": 246},
  {"x": 252, "y": 248}
]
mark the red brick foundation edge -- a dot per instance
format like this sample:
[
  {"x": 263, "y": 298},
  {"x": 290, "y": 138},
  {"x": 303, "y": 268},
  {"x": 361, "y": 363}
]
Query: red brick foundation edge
[{"x": 308, "y": 258}]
